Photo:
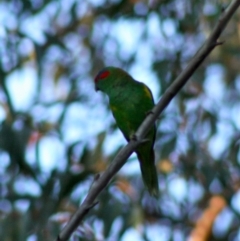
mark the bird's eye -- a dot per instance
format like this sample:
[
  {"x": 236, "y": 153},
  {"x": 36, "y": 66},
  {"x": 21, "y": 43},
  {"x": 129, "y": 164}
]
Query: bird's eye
[{"x": 102, "y": 75}]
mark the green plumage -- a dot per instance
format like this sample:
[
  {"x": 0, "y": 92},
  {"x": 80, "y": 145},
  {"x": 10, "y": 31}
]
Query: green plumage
[{"x": 130, "y": 101}]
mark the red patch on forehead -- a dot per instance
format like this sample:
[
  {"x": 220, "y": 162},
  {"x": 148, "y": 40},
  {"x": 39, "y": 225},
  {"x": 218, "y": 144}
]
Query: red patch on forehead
[{"x": 102, "y": 75}]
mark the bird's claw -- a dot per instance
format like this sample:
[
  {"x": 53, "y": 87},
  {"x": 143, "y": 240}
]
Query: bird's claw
[
  {"x": 134, "y": 137},
  {"x": 149, "y": 112}
]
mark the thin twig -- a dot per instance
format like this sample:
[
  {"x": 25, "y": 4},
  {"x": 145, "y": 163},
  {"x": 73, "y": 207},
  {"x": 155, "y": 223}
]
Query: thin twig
[{"x": 147, "y": 124}]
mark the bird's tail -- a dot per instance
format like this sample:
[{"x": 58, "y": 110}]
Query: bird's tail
[{"x": 149, "y": 172}]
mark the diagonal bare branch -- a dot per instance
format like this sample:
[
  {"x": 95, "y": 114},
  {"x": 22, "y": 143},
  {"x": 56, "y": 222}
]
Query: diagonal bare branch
[{"x": 174, "y": 88}]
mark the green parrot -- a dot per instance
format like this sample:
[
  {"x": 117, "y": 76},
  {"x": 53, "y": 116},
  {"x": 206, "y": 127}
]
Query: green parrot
[{"x": 130, "y": 101}]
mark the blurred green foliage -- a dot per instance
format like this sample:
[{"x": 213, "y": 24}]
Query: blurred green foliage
[{"x": 65, "y": 43}]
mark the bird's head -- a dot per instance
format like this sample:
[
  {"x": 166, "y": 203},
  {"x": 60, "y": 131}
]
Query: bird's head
[
  {"x": 109, "y": 77},
  {"x": 102, "y": 78}
]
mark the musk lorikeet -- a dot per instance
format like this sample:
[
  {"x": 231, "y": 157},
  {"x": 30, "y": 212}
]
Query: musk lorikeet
[{"x": 130, "y": 101}]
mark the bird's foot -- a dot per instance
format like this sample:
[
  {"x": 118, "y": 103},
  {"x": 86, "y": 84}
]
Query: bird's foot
[
  {"x": 135, "y": 137},
  {"x": 151, "y": 112}
]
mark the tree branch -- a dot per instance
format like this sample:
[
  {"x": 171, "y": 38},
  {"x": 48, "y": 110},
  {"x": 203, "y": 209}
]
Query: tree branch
[{"x": 147, "y": 124}]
